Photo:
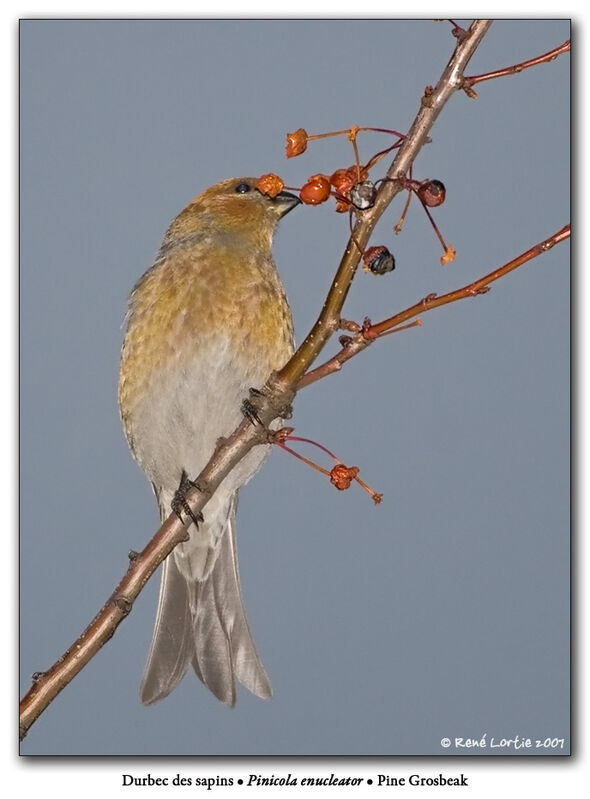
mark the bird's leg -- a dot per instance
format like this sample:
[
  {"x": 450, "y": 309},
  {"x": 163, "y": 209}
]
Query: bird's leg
[{"x": 179, "y": 502}]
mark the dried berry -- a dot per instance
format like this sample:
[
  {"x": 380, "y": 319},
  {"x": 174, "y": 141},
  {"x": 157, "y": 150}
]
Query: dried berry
[
  {"x": 296, "y": 143},
  {"x": 342, "y": 181},
  {"x": 363, "y": 195},
  {"x": 432, "y": 193},
  {"x": 270, "y": 184},
  {"x": 378, "y": 260},
  {"x": 342, "y": 476},
  {"x": 357, "y": 173}
]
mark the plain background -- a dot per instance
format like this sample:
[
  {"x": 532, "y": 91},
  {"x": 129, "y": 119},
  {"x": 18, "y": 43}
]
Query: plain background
[{"x": 445, "y": 611}]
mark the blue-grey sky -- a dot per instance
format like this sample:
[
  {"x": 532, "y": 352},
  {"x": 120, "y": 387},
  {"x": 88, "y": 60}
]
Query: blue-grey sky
[{"x": 444, "y": 611}]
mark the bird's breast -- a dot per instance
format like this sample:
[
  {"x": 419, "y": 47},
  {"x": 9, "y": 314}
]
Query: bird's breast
[{"x": 200, "y": 333}]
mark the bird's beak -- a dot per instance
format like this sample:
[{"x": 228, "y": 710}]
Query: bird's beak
[{"x": 286, "y": 201}]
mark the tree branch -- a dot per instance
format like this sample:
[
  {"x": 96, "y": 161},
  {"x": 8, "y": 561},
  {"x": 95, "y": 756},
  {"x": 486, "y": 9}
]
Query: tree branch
[
  {"x": 371, "y": 332},
  {"x": 471, "y": 80},
  {"x": 432, "y": 104}
]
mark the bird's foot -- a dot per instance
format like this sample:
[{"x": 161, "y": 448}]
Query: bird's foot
[
  {"x": 261, "y": 399},
  {"x": 251, "y": 405},
  {"x": 179, "y": 502}
]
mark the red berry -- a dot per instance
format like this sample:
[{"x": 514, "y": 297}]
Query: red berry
[
  {"x": 316, "y": 190},
  {"x": 432, "y": 193}
]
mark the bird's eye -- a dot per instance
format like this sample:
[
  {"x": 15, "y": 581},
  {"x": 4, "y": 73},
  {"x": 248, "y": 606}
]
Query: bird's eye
[{"x": 242, "y": 188}]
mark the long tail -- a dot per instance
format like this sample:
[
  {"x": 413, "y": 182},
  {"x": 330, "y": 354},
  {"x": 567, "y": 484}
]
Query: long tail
[{"x": 204, "y": 624}]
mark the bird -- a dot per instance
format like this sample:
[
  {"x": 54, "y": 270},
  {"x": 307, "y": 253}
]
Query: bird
[{"x": 207, "y": 322}]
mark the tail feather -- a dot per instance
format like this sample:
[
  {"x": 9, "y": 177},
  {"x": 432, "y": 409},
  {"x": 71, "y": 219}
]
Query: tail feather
[
  {"x": 204, "y": 624},
  {"x": 172, "y": 643},
  {"x": 247, "y": 665},
  {"x": 212, "y": 659}
]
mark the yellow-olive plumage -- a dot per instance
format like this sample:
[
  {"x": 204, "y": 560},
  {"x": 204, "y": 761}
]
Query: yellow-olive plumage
[{"x": 206, "y": 322}]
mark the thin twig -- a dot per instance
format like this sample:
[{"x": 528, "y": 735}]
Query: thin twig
[
  {"x": 471, "y": 80},
  {"x": 367, "y": 335}
]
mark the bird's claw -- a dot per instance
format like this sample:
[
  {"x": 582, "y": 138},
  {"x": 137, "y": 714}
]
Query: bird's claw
[
  {"x": 179, "y": 502},
  {"x": 250, "y": 411},
  {"x": 260, "y": 399}
]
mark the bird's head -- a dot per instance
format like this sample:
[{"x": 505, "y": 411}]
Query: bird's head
[{"x": 234, "y": 207}]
